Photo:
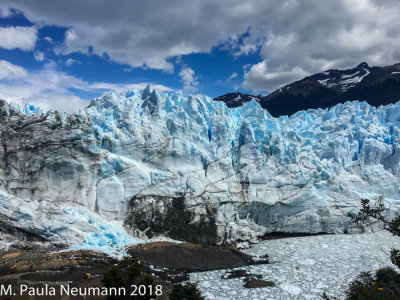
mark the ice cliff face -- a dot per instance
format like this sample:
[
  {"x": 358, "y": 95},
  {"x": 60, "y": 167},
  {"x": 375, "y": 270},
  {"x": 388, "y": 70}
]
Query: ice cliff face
[{"x": 193, "y": 169}]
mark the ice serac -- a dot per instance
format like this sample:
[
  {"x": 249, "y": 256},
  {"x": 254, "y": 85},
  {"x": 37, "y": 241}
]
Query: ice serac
[{"x": 193, "y": 169}]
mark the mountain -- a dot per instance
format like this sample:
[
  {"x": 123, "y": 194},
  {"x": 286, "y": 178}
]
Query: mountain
[
  {"x": 140, "y": 165},
  {"x": 236, "y": 99},
  {"x": 375, "y": 85}
]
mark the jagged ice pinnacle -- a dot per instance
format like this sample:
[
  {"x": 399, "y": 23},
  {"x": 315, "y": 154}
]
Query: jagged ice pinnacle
[{"x": 138, "y": 158}]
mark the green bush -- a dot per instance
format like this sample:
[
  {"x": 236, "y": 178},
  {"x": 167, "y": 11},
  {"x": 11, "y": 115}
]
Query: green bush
[
  {"x": 384, "y": 286},
  {"x": 121, "y": 275},
  {"x": 386, "y": 283},
  {"x": 189, "y": 291},
  {"x": 128, "y": 272},
  {"x": 113, "y": 277},
  {"x": 387, "y": 274}
]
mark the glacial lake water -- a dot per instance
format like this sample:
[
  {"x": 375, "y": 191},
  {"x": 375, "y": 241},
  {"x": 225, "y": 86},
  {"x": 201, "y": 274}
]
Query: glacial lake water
[{"x": 304, "y": 267}]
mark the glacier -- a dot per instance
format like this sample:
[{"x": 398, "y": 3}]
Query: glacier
[{"x": 192, "y": 169}]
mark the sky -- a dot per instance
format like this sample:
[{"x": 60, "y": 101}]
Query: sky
[{"x": 60, "y": 54}]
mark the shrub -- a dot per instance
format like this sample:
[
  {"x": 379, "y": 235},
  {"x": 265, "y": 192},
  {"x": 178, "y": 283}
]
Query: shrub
[
  {"x": 386, "y": 283},
  {"x": 113, "y": 277},
  {"x": 128, "y": 272},
  {"x": 189, "y": 291},
  {"x": 384, "y": 286},
  {"x": 387, "y": 274}
]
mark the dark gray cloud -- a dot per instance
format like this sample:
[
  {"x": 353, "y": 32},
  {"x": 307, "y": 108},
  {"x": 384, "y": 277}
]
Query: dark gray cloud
[
  {"x": 304, "y": 37},
  {"x": 294, "y": 38},
  {"x": 140, "y": 32}
]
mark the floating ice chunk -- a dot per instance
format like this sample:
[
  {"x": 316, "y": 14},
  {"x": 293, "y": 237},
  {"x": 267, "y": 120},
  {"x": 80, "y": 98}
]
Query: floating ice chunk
[{"x": 290, "y": 288}]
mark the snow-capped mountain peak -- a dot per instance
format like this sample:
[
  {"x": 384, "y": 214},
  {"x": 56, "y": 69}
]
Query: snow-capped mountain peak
[
  {"x": 236, "y": 99},
  {"x": 376, "y": 85},
  {"x": 343, "y": 80}
]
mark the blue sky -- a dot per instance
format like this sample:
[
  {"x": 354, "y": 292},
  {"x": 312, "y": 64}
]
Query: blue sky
[
  {"x": 213, "y": 70},
  {"x": 59, "y": 53}
]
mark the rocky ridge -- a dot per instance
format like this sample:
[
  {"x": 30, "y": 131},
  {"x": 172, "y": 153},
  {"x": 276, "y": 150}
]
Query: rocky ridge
[{"x": 375, "y": 85}]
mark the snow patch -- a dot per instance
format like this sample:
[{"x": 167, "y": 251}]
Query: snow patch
[{"x": 346, "y": 82}]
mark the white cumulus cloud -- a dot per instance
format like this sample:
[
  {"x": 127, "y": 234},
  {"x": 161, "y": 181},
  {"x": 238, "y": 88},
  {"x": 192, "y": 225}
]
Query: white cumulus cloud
[
  {"x": 232, "y": 76},
  {"x": 261, "y": 78},
  {"x": 189, "y": 79},
  {"x": 50, "y": 88},
  {"x": 305, "y": 37},
  {"x": 20, "y": 37},
  {"x": 11, "y": 71},
  {"x": 141, "y": 33},
  {"x": 39, "y": 56},
  {"x": 69, "y": 62},
  {"x": 291, "y": 37}
]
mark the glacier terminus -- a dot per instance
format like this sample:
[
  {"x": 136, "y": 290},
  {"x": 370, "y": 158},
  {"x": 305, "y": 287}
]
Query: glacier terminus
[{"x": 138, "y": 165}]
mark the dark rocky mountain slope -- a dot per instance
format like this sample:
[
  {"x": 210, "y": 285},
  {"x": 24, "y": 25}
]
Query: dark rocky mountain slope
[{"x": 375, "y": 85}]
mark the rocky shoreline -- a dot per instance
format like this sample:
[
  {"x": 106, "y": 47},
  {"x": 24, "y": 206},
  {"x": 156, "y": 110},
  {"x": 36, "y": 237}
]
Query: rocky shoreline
[{"x": 168, "y": 263}]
